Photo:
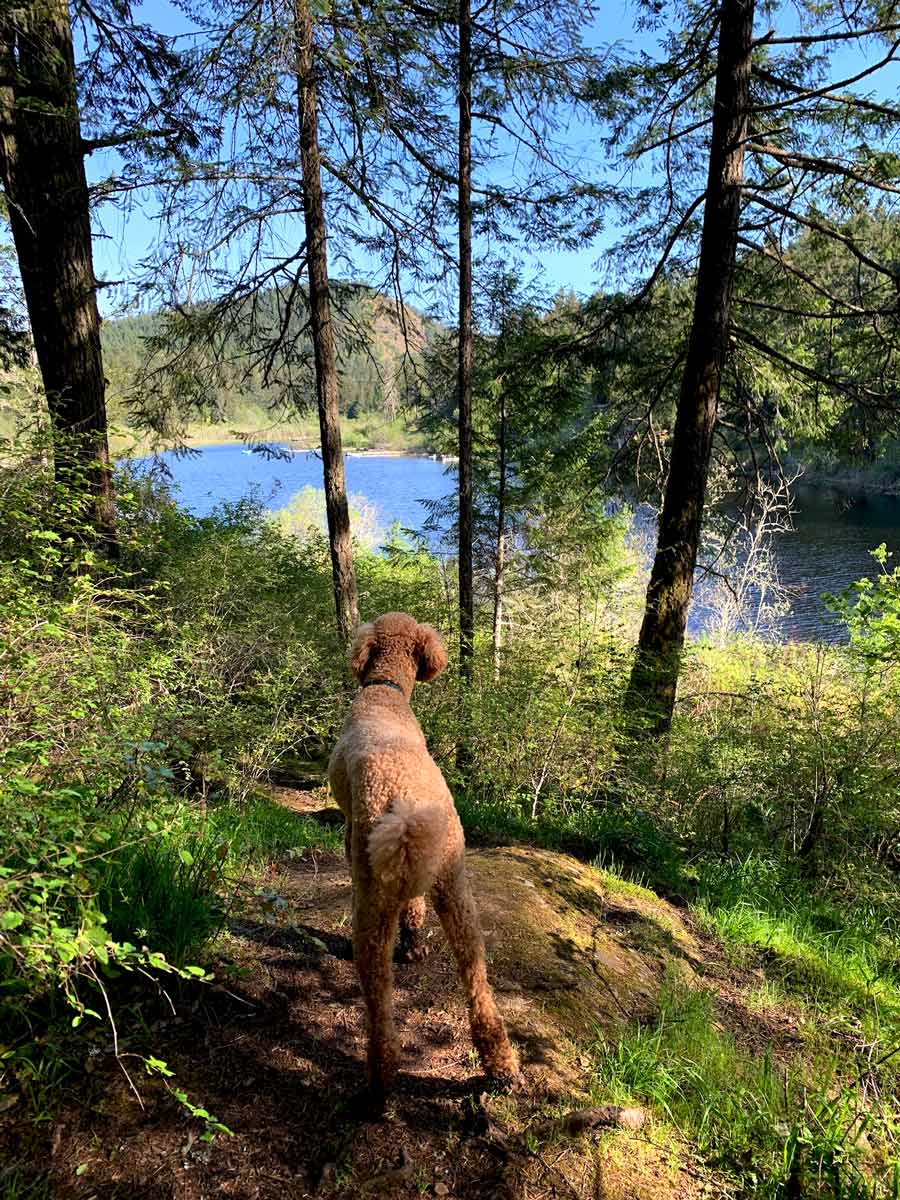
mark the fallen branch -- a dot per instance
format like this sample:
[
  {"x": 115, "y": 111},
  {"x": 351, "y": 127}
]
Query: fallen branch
[{"x": 399, "y": 1174}]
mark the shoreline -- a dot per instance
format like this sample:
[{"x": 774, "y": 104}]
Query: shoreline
[
  {"x": 849, "y": 482},
  {"x": 122, "y": 446}
]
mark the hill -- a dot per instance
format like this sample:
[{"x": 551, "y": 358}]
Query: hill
[
  {"x": 218, "y": 394},
  {"x": 219, "y": 388}
]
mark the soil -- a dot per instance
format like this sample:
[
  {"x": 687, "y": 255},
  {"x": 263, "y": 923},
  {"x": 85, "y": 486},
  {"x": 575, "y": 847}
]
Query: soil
[{"x": 274, "y": 1049}]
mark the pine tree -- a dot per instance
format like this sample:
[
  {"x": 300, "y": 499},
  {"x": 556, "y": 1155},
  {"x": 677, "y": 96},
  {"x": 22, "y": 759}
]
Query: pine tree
[
  {"x": 663, "y": 629},
  {"x": 322, "y": 331},
  {"x": 128, "y": 85},
  {"x": 43, "y": 175},
  {"x": 809, "y": 139}
]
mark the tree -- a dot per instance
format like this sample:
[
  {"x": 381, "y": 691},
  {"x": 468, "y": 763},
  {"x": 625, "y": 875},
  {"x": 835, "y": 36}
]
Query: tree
[
  {"x": 655, "y": 674},
  {"x": 539, "y": 529},
  {"x": 812, "y": 148},
  {"x": 43, "y": 175},
  {"x": 336, "y": 506},
  {"x": 464, "y": 343},
  {"x": 261, "y": 295},
  {"x": 131, "y": 85}
]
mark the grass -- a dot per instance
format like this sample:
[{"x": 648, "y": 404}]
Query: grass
[
  {"x": 831, "y": 954},
  {"x": 774, "y": 1131},
  {"x": 262, "y": 830},
  {"x": 841, "y": 958},
  {"x": 620, "y": 838},
  {"x": 17, "y": 1185},
  {"x": 823, "y": 964},
  {"x": 174, "y": 885}
]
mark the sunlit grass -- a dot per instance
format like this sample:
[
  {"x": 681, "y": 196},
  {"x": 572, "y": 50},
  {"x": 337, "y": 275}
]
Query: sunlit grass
[
  {"x": 828, "y": 954},
  {"x": 172, "y": 882},
  {"x": 262, "y": 830},
  {"x": 776, "y": 1130}
]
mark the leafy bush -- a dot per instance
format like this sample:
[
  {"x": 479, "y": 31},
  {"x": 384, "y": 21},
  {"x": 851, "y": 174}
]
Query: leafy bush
[
  {"x": 870, "y": 608},
  {"x": 305, "y": 512},
  {"x": 56, "y": 935},
  {"x": 142, "y": 702}
]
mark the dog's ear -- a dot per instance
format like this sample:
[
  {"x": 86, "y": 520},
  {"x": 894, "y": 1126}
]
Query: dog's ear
[
  {"x": 432, "y": 655},
  {"x": 361, "y": 650}
]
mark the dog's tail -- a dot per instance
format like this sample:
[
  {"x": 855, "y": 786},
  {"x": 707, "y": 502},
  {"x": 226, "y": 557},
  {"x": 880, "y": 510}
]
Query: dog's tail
[{"x": 407, "y": 845}]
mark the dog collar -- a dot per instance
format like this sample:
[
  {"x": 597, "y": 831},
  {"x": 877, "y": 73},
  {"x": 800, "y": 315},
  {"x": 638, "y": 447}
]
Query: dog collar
[{"x": 384, "y": 683}]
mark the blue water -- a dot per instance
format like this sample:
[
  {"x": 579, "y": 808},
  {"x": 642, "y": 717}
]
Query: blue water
[
  {"x": 397, "y": 485},
  {"x": 828, "y": 549}
]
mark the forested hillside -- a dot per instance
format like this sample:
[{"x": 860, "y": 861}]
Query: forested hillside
[{"x": 227, "y": 386}]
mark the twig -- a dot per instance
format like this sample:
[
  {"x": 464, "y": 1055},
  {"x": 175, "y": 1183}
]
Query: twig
[{"x": 115, "y": 1035}]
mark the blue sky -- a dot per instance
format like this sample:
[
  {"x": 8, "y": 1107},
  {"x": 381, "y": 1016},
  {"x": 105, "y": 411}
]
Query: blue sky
[{"x": 124, "y": 236}]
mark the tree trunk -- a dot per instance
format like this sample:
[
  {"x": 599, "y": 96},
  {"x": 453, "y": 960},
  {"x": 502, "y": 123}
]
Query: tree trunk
[
  {"x": 322, "y": 331},
  {"x": 654, "y": 677},
  {"x": 464, "y": 384},
  {"x": 42, "y": 171},
  {"x": 500, "y": 551}
]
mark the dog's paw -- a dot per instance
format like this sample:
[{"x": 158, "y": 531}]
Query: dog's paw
[
  {"x": 507, "y": 1082},
  {"x": 411, "y": 952},
  {"x": 368, "y": 1104}
]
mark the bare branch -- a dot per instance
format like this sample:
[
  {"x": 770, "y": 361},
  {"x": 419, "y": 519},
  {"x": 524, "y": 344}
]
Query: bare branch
[
  {"x": 822, "y": 166},
  {"x": 812, "y": 39}
]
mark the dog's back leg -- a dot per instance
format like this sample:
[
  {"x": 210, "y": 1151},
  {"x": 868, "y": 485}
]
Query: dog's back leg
[
  {"x": 374, "y": 929},
  {"x": 410, "y": 948},
  {"x": 375, "y": 912},
  {"x": 455, "y": 905}
]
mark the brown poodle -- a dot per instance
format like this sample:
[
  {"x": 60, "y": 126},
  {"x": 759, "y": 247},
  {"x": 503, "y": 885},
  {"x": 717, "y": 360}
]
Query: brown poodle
[{"x": 404, "y": 840}]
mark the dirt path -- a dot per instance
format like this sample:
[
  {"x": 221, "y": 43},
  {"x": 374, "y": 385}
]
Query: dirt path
[{"x": 275, "y": 1050}]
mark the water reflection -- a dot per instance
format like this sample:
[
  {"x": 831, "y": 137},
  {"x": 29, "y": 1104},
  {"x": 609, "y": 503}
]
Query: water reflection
[{"x": 828, "y": 549}]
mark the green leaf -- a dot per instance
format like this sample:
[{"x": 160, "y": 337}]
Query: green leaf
[{"x": 11, "y": 919}]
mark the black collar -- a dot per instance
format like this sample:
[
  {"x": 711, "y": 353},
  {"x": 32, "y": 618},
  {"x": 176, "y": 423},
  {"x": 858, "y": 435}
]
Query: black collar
[{"x": 385, "y": 683}]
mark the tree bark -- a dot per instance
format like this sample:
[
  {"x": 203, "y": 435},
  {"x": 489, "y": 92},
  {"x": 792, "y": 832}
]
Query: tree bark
[
  {"x": 654, "y": 677},
  {"x": 322, "y": 330},
  {"x": 464, "y": 381},
  {"x": 500, "y": 550},
  {"x": 43, "y": 176}
]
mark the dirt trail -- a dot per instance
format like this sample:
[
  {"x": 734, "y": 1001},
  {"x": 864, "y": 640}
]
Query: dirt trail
[{"x": 275, "y": 1050}]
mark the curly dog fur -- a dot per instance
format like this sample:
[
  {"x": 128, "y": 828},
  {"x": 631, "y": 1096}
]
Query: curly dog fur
[{"x": 404, "y": 841}]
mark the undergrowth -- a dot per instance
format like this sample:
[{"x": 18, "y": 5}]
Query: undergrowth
[
  {"x": 144, "y": 704},
  {"x": 774, "y": 1129}
]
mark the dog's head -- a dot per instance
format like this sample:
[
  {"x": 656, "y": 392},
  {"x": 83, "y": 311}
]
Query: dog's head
[{"x": 396, "y": 642}]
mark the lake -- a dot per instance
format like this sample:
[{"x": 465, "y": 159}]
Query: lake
[{"x": 829, "y": 548}]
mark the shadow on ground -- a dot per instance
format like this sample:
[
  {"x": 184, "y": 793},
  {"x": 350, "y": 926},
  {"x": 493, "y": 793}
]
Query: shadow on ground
[{"x": 274, "y": 1050}]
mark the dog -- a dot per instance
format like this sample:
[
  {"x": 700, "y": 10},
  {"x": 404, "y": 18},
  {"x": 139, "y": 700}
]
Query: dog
[{"x": 404, "y": 841}]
